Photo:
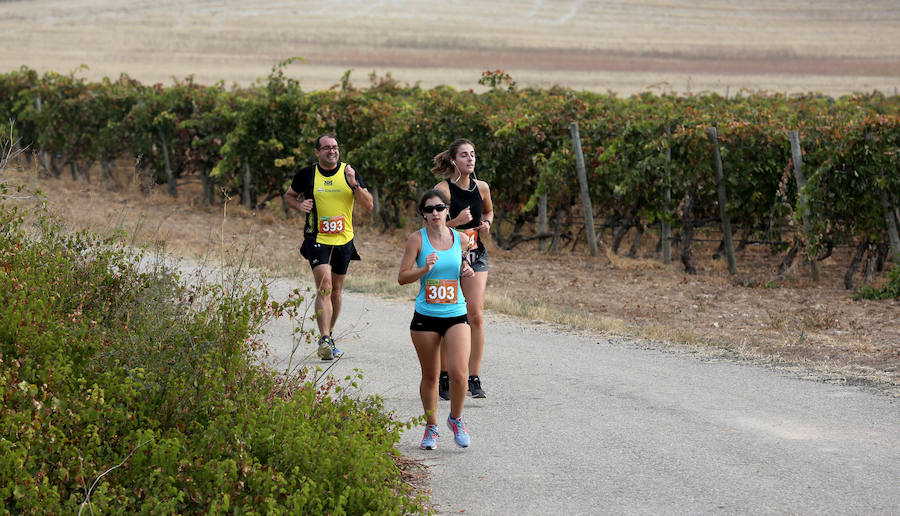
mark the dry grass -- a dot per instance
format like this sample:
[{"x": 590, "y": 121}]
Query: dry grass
[{"x": 535, "y": 309}]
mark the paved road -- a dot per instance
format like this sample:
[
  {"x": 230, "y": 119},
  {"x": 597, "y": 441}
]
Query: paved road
[{"x": 577, "y": 424}]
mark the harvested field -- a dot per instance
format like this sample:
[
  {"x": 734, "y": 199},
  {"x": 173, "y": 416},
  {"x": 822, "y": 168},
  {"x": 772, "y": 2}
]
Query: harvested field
[{"x": 830, "y": 46}]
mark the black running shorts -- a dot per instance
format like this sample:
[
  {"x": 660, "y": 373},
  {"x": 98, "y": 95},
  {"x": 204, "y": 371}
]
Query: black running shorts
[
  {"x": 438, "y": 325},
  {"x": 338, "y": 256}
]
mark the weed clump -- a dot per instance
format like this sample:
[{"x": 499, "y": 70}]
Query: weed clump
[
  {"x": 126, "y": 390},
  {"x": 890, "y": 290}
]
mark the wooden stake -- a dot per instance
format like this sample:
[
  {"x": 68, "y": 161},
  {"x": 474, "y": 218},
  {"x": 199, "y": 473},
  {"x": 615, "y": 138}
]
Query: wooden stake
[
  {"x": 585, "y": 195},
  {"x": 893, "y": 235},
  {"x": 723, "y": 201},
  {"x": 797, "y": 158},
  {"x": 666, "y": 228},
  {"x": 170, "y": 176},
  {"x": 245, "y": 200},
  {"x": 542, "y": 220}
]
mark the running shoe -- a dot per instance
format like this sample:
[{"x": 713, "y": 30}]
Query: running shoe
[
  {"x": 444, "y": 386},
  {"x": 475, "y": 387},
  {"x": 460, "y": 434},
  {"x": 326, "y": 346},
  {"x": 335, "y": 352},
  {"x": 429, "y": 440}
]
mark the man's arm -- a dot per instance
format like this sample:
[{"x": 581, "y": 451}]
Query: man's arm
[
  {"x": 292, "y": 199},
  {"x": 360, "y": 193}
]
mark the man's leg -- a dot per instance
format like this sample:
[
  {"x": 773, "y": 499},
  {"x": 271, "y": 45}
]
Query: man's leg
[
  {"x": 337, "y": 285},
  {"x": 323, "y": 278}
]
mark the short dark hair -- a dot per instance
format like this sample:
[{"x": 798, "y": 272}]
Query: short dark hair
[
  {"x": 431, "y": 194},
  {"x": 319, "y": 140}
]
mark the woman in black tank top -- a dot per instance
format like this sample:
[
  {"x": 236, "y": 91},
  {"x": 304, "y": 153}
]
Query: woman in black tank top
[{"x": 471, "y": 212}]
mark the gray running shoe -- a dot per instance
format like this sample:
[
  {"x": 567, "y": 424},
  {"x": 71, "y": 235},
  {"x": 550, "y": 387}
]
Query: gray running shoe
[{"x": 326, "y": 345}]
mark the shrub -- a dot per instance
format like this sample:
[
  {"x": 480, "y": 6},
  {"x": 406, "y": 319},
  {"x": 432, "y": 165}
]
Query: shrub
[
  {"x": 129, "y": 390},
  {"x": 890, "y": 290}
]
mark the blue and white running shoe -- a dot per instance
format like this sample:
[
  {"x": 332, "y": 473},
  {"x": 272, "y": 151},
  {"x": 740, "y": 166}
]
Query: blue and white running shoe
[
  {"x": 460, "y": 434},
  {"x": 429, "y": 440}
]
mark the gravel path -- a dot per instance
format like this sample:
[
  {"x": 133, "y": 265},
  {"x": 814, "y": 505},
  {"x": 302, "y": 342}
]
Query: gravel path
[{"x": 579, "y": 424}]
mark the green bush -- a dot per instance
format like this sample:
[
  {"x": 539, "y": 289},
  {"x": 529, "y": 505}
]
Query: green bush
[
  {"x": 125, "y": 388},
  {"x": 890, "y": 290}
]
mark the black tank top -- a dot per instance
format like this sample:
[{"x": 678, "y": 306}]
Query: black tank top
[{"x": 460, "y": 199}]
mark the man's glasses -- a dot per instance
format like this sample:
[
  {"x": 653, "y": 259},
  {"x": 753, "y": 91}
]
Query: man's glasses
[
  {"x": 327, "y": 148},
  {"x": 434, "y": 208}
]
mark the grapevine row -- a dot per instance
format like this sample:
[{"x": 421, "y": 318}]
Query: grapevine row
[{"x": 647, "y": 156}]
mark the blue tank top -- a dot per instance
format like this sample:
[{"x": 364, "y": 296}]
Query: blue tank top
[{"x": 441, "y": 283}]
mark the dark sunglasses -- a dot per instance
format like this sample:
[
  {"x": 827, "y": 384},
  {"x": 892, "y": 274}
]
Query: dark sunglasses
[{"x": 434, "y": 207}]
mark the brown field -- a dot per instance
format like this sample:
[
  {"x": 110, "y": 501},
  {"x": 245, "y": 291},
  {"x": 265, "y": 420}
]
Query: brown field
[
  {"x": 830, "y": 46},
  {"x": 812, "y": 329}
]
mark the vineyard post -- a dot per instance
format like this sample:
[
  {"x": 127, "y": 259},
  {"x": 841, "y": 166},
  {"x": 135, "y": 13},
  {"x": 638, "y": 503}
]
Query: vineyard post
[
  {"x": 245, "y": 198},
  {"x": 54, "y": 164},
  {"x": 723, "y": 201},
  {"x": 170, "y": 177},
  {"x": 106, "y": 169},
  {"x": 42, "y": 154},
  {"x": 893, "y": 235},
  {"x": 897, "y": 214},
  {"x": 889, "y": 220},
  {"x": 585, "y": 195},
  {"x": 665, "y": 227},
  {"x": 797, "y": 158},
  {"x": 688, "y": 230},
  {"x": 542, "y": 220}
]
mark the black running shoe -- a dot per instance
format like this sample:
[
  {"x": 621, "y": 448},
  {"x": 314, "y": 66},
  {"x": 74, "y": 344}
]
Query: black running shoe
[
  {"x": 475, "y": 387},
  {"x": 444, "y": 386}
]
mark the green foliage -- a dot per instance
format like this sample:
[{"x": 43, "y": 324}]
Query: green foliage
[
  {"x": 267, "y": 123},
  {"x": 130, "y": 391},
  {"x": 637, "y": 150},
  {"x": 890, "y": 290}
]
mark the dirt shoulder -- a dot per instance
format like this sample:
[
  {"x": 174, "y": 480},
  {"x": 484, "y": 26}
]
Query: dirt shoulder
[{"x": 815, "y": 329}]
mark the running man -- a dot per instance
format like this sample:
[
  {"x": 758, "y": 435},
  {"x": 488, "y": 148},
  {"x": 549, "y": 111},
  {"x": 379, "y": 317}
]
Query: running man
[{"x": 326, "y": 192}]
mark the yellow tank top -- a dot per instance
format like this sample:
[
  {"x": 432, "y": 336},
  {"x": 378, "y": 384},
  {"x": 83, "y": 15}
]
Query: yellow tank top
[{"x": 334, "y": 207}]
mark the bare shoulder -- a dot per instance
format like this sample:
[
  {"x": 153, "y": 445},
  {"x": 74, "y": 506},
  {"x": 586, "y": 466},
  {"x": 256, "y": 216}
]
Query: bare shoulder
[
  {"x": 482, "y": 186},
  {"x": 415, "y": 238},
  {"x": 442, "y": 186}
]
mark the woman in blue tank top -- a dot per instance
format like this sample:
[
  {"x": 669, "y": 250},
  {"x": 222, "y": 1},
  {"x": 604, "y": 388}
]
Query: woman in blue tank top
[{"x": 434, "y": 256}]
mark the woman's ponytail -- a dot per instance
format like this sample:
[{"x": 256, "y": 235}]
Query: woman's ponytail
[{"x": 443, "y": 166}]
